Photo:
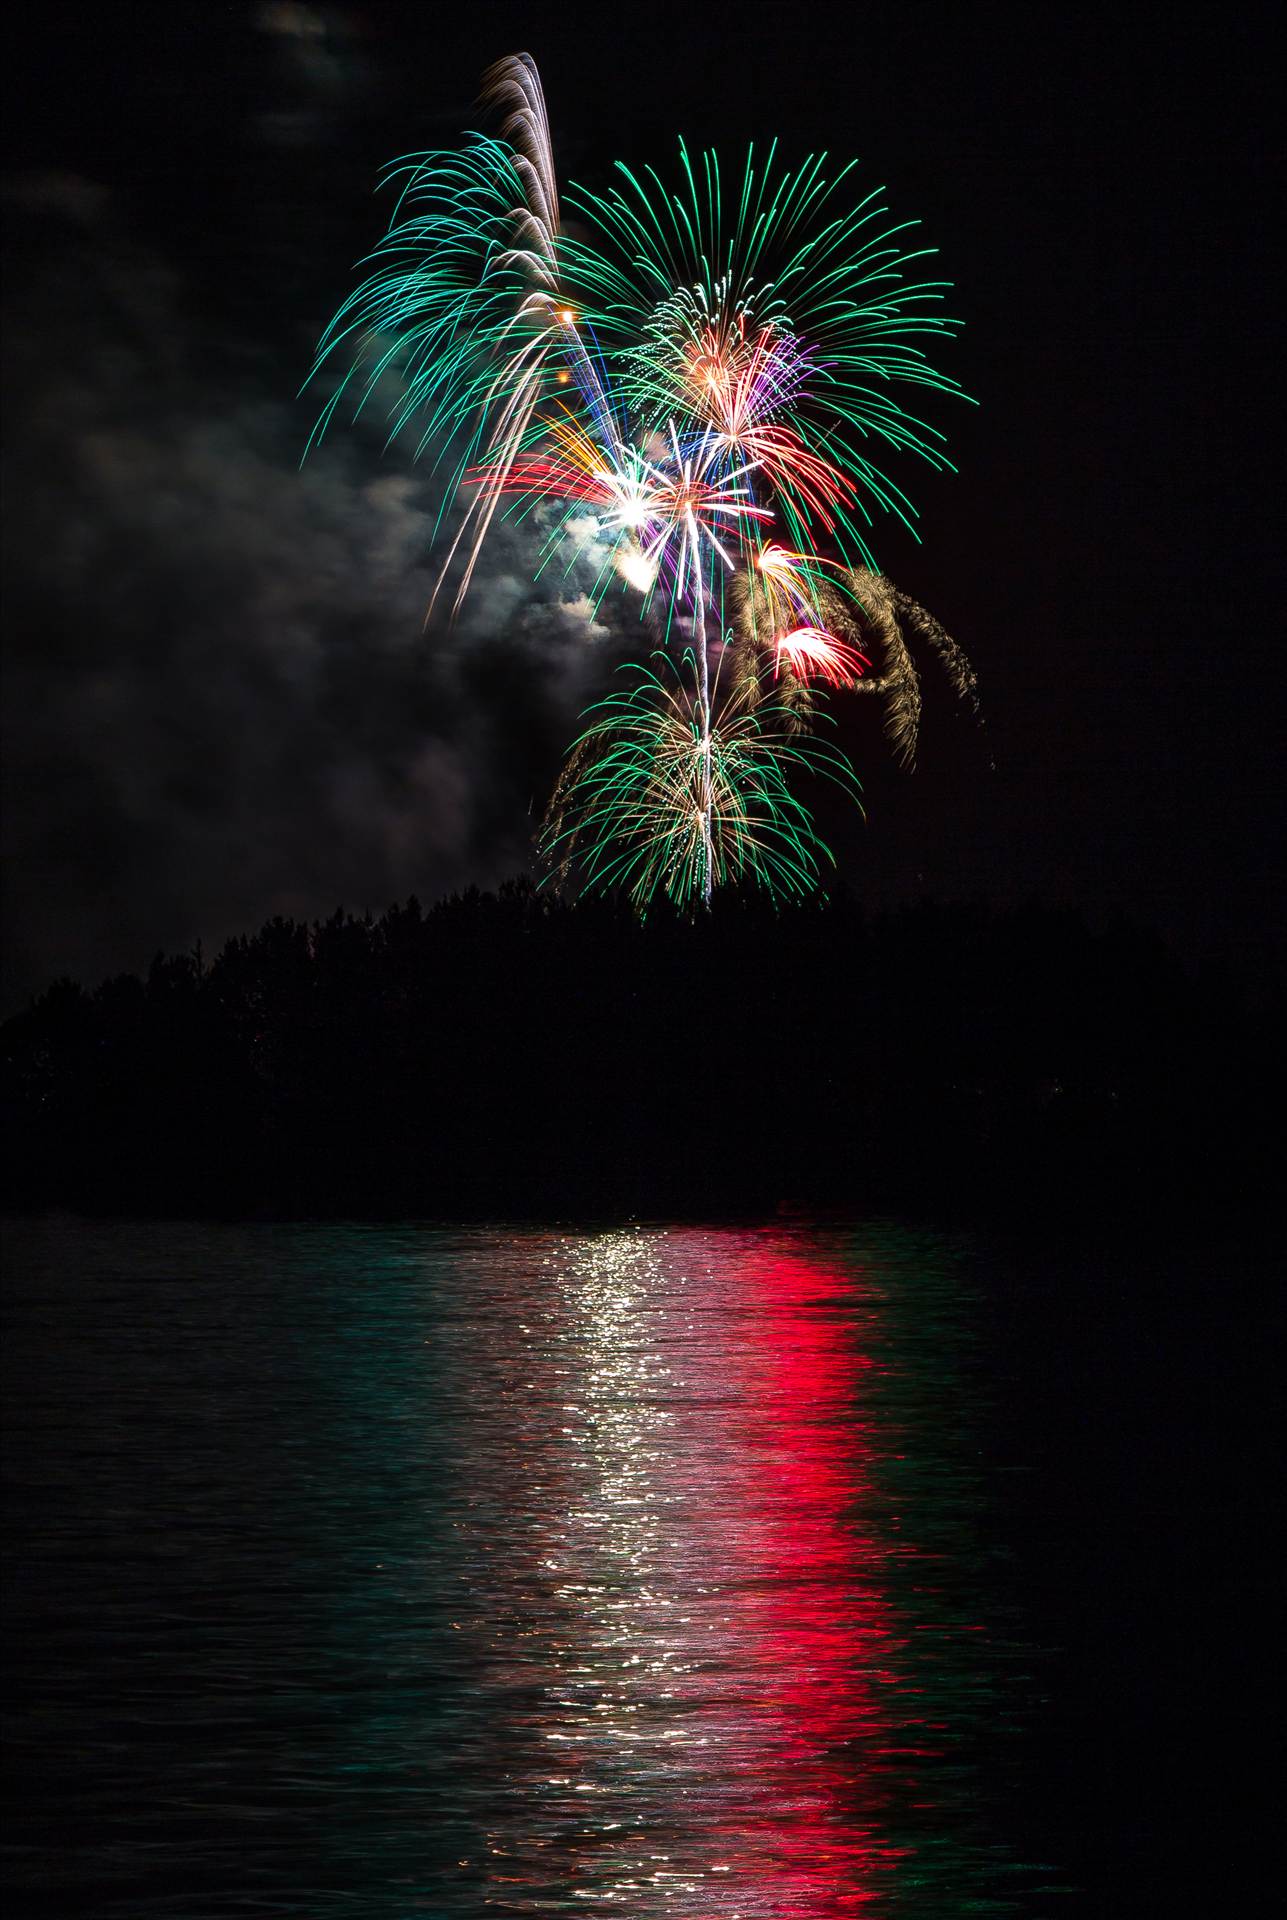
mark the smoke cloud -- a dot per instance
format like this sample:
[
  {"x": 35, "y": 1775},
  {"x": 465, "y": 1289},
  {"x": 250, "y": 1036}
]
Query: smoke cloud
[{"x": 220, "y": 700}]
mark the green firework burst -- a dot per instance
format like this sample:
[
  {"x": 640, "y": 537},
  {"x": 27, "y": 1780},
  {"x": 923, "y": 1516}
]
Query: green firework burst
[
  {"x": 788, "y": 252},
  {"x": 660, "y": 801}
]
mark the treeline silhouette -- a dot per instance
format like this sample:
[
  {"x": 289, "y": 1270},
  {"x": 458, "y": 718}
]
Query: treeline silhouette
[{"x": 511, "y": 1054}]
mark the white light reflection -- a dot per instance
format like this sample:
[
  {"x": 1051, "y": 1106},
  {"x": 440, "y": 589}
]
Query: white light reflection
[{"x": 615, "y": 1290}]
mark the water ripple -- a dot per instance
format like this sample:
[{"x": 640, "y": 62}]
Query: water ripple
[{"x": 408, "y": 1572}]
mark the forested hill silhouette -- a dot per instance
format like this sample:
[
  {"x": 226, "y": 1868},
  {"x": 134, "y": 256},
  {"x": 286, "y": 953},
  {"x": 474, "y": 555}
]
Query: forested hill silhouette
[{"x": 510, "y": 1054}]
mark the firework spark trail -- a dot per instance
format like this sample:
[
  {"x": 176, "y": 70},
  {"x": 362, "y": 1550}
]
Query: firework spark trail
[
  {"x": 514, "y": 84},
  {"x": 881, "y": 605},
  {"x": 687, "y": 390}
]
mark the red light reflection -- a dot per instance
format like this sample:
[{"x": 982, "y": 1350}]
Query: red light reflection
[
  {"x": 722, "y": 1721},
  {"x": 815, "y": 1643}
]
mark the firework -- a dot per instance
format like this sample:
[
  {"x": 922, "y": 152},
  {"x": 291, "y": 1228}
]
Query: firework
[
  {"x": 689, "y": 388},
  {"x": 810, "y": 653},
  {"x": 462, "y": 305},
  {"x": 788, "y": 309},
  {"x": 669, "y": 794},
  {"x": 886, "y": 614}
]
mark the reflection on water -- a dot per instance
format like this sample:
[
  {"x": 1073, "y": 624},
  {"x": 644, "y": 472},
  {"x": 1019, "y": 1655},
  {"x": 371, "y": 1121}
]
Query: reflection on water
[{"x": 406, "y": 1572}]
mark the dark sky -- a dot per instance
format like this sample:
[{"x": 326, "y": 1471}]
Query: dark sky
[{"x": 218, "y": 700}]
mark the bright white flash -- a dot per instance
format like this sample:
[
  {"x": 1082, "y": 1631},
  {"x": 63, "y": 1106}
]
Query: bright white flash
[{"x": 635, "y": 569}]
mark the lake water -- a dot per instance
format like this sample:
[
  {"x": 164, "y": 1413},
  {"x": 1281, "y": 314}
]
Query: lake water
[{"x": 402, "y": 1571}]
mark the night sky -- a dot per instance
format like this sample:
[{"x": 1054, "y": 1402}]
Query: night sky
[{"x": 218, "y": 700}]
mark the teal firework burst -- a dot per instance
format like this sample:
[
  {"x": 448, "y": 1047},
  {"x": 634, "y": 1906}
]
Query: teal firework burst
[
  {"x": 791, "y": 307},
  {"x": 663, "y": 796},
  {"x": 461, "y": 308}
]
